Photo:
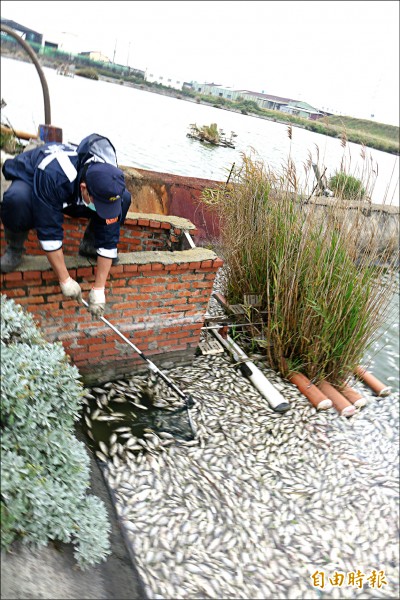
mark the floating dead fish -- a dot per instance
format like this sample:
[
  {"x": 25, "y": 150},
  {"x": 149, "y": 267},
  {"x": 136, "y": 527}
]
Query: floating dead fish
[
  {"x": 101, "y": 456},
  {"x": 98, "y": 390},
  {"x": 103, "y": 448},
  {"x": 113, "y": 438}
]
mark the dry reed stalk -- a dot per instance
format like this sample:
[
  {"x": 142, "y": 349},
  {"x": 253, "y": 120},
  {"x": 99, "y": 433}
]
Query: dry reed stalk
[{"x": 321, "y": 289}]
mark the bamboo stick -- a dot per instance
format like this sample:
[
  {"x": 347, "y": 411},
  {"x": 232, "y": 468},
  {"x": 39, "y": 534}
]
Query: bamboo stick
[
  {"x": 317, "y": 398},
  {"x": 342, "y": 405},
  {"x": 372, "y": 382}
]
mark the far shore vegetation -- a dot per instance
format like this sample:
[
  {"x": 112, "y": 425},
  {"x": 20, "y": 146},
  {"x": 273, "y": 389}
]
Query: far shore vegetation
[{"x": 360, "y": 131}]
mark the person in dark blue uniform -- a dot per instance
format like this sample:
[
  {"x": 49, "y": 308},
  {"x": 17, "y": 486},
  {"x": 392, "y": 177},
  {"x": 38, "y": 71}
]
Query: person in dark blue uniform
[{"x": 56, "y": 179}]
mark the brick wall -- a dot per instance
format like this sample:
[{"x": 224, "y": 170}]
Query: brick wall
[
  {"x": 156, "y": 298},
  {"x": 140, "y": 232}
]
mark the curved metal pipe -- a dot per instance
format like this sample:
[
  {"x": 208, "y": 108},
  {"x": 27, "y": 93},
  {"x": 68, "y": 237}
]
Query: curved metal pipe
[{"x": 32, "y": 55}]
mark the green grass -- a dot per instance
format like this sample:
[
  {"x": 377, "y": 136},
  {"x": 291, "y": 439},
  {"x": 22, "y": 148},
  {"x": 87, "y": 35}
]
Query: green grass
[
  {"x": 346, "y": 186},
  {"x": 88, "y": 73},
  {"x": 370, "y": 128},
  {"x": 360, "y": 131}
]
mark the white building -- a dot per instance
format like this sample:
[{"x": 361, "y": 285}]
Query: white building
[
  {"x": 214, "y": 89},
  {"x": 171, "y": 80}
]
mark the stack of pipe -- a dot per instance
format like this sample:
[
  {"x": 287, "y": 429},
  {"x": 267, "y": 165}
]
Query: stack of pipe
[
  {"x": 318, "y": 399},
  {"x": 344, "y": 407},
  {"x": 379, "y": 388},
  {"x": 353, "y": 396}
]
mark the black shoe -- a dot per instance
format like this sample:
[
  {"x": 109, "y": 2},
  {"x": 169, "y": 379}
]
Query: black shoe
[
  {"x": 12, "y": 257},
  {"x": 87, "y": 249},
  {"x": 10, "y": 260}
]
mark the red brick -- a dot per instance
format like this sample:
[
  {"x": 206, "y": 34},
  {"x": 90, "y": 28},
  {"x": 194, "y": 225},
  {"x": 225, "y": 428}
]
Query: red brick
[
  {"x": 85, "y": 271},
  {"x": 31, "y": 301},
  {"x": 49, "y": 276},
  {"x": 206, "y": 264},
  {"x": 130, "y": 313},
  {"x": 146, "y": 267},
  {"x": 32, "y": 275},
  {"x": 14, "y": 276},
  {"x": 14, "y": 293},
  {"x": 116, "y": 271},
  {"x": 157, "y": 267}
]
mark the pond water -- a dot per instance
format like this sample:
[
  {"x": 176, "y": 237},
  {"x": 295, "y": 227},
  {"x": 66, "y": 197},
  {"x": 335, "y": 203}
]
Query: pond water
[{"x": 149, "y": 132}]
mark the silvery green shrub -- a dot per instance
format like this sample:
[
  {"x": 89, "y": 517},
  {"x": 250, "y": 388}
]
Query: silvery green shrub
[
  {"x": 40, "y": 388},
  {"x": 45, "y": 470},
  {"x": 17, "y": 324}
]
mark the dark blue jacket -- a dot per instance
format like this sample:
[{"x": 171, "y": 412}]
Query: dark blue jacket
[{"x": 54, "y": 172}]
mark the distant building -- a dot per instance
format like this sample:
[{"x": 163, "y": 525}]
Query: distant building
[
  {"x": 95, "y": 55},
  {"x": 264, "y": 100},
  {"x": 29, "y": 35},
  {"x": 171, "y": 80},
  {"x": 302, "y": 109},
  {"x": 214, "y": 89}
]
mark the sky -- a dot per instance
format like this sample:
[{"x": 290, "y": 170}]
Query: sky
[{"x": 339, "y": 56}]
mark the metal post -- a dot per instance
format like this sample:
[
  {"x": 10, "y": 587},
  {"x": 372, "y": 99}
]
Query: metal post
[{"x": 32, "y": 55}]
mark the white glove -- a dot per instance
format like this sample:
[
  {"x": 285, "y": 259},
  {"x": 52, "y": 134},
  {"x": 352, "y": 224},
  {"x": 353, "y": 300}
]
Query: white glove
[
  {"x": 97, "y": 302},
  {"x": 71, "y": 289}
]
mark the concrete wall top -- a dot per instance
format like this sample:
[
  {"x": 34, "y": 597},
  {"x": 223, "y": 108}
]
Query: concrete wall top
[{"x": 194, "y": 255}]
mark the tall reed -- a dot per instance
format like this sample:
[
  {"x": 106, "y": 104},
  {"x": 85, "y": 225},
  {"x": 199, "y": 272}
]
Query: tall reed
[{"x": 318, "y": 272}]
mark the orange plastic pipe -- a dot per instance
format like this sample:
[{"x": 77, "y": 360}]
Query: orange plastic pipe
[
  {"x": 342, "y": 405},
  {"x": 372, "y": 382},
  {"x": 317, "y": 398},
  {"x": 22, "y": 135},
  {"x": 353, "y": 396}
]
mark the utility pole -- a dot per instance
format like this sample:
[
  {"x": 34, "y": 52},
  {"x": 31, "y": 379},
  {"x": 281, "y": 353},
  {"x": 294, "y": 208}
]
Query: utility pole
[{"x": 115, "y": 49}]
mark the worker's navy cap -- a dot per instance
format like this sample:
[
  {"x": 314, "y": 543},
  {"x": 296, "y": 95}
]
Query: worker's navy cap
[{"x": 106, "y": 184}]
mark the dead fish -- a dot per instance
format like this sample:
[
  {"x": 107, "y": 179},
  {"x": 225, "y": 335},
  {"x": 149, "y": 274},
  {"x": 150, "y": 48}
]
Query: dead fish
[
  {"x": 113, "y": 439},
  {"x": 101, "y": 456},
  {"x": 103, "y": 447},
  {"x": 99, "y": 390}
]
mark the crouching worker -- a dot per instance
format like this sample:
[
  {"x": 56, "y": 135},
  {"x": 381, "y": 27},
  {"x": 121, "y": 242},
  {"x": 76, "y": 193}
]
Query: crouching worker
[{"x": 56, "y": 179}]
